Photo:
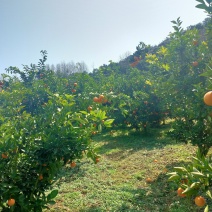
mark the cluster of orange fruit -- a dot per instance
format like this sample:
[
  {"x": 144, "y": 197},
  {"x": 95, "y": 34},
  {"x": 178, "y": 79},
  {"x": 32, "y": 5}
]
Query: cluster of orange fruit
[
  {"x": 199, "y": 200},
  {"x": 135, "y": 63},
  {"x": 74, "y": 90},
  {"x": 100, "y": 99}
]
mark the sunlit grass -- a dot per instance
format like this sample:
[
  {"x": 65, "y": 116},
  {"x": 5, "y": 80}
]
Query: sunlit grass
[{"x": 118, "y": 182}]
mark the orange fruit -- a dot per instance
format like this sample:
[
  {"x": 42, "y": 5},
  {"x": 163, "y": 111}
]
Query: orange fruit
[
  {"x": 200, "y": 201},
  {"x": 179, "y": 192},
  {"x": 73, "y": 164},
  {"x": 73, "y": 90},
  {"x": 89, "y": 108},
  {"x": 195, "y": 42},
  {"x": 195, "y": 63},
  {"x": 40, "y": 177},
  {"x": 101, "y": 96},
  {"x": 3, "y": 155},
  {"x": 149, "y": 180},
  {"x": 208, "y": 98},
  {"x": 11, "y": 202},
  {"x": 155, "y": 161},
  {"x": 97, "y": 160},
  {"x": 96, "y": 99},
  {"x": 75, "y": 84}
]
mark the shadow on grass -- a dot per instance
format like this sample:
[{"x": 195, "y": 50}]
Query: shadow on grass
[
  {"x": 122, "y": 140},
  {"x": 68, "y": 174},
  {"x": 160, "y": 196}
]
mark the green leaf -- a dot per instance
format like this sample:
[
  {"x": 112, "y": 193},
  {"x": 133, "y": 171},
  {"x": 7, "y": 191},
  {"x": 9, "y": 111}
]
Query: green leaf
[
  {"x": 84, "y": 112},
  {"x": 171, "y": 173},
  {"x": 108, "y": 122},
  {"x": 52, "y": 195},
  {"x": 208, "y": 1},
  {"x": 195, "y": 185},
  {"x": 174, "y": 177},
  {"x": 189, "y": 191},
  {"x": 180, "y": 169},
  {"x": 176, "y": 28},
  {"x": 100, "y": 128},
  {"x": 198, "y": 174},
  {"x": 201, "y": 1},
  {"x": 206, "y": 74},
  {"x": 209, "y": 193},
  {"x": 51, "y": 202},
  {"x": 206, "y": 209},
  {"x": 202, "y": 6}
]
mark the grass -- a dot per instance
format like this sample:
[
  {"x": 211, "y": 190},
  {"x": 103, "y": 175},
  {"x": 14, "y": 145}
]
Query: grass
[{"x": 118, "y": 181}]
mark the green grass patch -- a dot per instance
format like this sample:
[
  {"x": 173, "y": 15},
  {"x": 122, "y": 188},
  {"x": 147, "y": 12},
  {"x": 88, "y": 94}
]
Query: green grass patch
[{"x": 118, "y": 181}]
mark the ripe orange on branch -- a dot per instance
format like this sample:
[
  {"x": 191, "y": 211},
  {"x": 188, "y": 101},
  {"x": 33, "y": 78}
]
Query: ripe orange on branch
[
  {"x": 96, "y": 99},
  {"x": 200, "y": 201},
  {"x": 40, "y": 177},
  {"x": 101, "y": 96},
  {"x": 11, "y": 202},
  {"x": 208, "y": 98},
  {"x": 179, "y": 192},
  {"x": 4, "y": 156},
  {"x": 89, "y": 108}
]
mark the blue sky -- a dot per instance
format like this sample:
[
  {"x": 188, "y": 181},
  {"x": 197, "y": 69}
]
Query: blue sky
[{"x": 93, "y": 31}]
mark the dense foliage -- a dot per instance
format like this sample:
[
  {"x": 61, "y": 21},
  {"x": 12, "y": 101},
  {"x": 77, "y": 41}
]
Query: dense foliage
[
  {"x": 47, "y": 119},
  {"x": 41, "y": 131}
]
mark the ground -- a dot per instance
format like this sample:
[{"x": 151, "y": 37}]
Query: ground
[{"x": 118, "y": 181}]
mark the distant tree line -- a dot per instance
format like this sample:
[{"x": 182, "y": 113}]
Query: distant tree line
[{"x": 64, "y": 69}]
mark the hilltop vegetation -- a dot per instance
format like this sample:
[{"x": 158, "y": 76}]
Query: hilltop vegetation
[{"x": 49, "y": 121}]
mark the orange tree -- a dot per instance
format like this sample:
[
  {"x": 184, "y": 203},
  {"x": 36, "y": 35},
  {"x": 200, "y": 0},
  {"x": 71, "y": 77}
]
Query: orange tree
[
  {"x": 177, "y": 68},
  {"x": 40, "y": 132},
  {"x": 195, "y": 180},
  {"x": 129, "y": 97},
  {"x": 136, "y": 99}
]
